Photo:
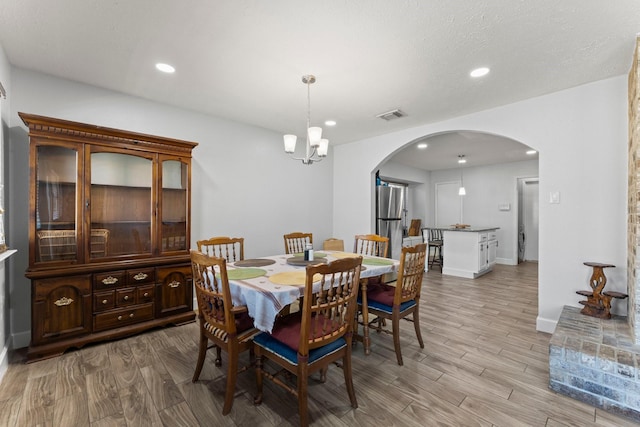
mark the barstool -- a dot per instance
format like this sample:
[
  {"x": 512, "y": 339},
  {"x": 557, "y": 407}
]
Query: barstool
[{"x": 435, "y": 241}]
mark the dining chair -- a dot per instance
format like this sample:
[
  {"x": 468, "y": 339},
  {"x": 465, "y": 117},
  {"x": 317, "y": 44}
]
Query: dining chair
[
  {"x": 319, "y": 334},
  {"x": 390, "y": 302},
  {"x": 414, "y": 227},
  {"x": 371, "y": 244},
  {"x": 436, "y": 242},
  {"x": 228, "y": 327},
  {"x": 333, "y": 244},
  {"x": 229, "y": 248},
  {"x": 296, "y": 242}
]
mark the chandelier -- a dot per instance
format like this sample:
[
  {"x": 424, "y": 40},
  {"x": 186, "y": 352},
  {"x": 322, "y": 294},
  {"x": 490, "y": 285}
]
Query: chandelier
[{"x": 316, "y": 147}]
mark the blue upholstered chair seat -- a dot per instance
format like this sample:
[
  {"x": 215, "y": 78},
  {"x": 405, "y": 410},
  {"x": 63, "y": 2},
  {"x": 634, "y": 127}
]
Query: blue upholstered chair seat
[
  {"x": 271, "y": 344},
  {"x": 387, "y": 308},
  {"x": 380, "y": 297}
]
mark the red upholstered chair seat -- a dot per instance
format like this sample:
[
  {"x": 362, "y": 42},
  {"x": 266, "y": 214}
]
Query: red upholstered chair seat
[{"x": 287, "y": 329}]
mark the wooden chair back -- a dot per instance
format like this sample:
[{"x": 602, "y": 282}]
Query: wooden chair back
[
  {"x": 212, "y": 291},
  {"x": 295, "y": 242},
  {"x": 410, "y": 272},
  {"x": 414, "y": 227},
  {"x": 328, "y": 308},
  {"x": 371, "y": 244},
  {"x": 229, "y": 248},
  {"x": 333, "y": 244}
]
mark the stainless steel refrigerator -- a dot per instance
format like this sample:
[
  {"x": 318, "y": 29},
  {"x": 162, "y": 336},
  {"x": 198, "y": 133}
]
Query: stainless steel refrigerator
[{"x": 390, "y": 208}]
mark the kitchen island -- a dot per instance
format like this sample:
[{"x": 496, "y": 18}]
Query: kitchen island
[{"x": 468, "y": 252}]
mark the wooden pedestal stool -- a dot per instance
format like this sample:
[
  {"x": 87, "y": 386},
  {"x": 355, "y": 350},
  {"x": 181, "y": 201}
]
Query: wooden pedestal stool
[{"x": 598, "y": 303}]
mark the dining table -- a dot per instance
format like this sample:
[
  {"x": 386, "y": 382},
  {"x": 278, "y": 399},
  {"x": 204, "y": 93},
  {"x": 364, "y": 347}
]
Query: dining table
[{"x": 268, "y": 284}]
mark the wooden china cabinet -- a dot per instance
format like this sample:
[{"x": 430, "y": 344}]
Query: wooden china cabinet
[{"x": 109, "y": 227}]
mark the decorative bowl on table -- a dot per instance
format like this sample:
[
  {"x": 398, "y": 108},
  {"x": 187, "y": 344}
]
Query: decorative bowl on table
[
  {"x": 461, "y": 226},
  {"x": 300, "y": 261}
]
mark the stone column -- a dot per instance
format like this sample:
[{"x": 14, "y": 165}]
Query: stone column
[{"x": 633, "y": 218}]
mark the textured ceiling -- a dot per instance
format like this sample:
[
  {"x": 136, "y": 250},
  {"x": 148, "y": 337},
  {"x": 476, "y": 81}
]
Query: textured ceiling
[{"x": 243, "y": 59}]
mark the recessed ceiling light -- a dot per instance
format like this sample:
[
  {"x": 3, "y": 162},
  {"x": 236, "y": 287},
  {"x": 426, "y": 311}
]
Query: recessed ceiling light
[
  {"x": 422, "y": 145},
  {"x": 461, "y": 159},
  {"x": 165, "y": 68},
  {"x": 479, "y": 72},
  {"x": 531, "y": 152},
  {"x": 330, "y": 123}
]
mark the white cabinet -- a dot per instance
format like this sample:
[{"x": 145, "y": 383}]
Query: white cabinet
[
  {"x": 483, "y": 252},
  {"x": 468, "y": 253},
  {"x": 492, "y": 248}
]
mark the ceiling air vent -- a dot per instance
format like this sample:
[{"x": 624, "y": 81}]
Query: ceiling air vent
[{"x": 391, "y": 115}]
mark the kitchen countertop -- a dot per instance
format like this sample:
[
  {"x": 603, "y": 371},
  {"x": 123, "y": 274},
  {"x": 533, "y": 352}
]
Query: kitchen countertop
[{"x": 474, "y": 229}]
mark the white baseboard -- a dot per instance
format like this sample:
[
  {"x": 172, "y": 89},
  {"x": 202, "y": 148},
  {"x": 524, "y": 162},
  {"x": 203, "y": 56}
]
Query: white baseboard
[
  {"x": 506, "y": 261},
  {"x": 546, "y": 325}
]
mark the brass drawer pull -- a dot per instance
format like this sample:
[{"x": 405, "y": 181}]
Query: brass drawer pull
[
  {"x": 126, "y": 297},
  {"x": 174, "y": 284},
  {"x": 146, "y": 294},
  {"x": 131, "y": 315},
  {"x": 104, "y": 301},
  {"x": 119, "y": 317},
  {"x": 109, "y": 280},
  {"x": 63, "y": 301},
  {"x": 140, "y": 276}
]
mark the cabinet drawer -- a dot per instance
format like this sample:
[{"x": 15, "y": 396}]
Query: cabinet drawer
[
  {"x": 125, "y": 296},
  {"x": 78, "y": 284},
  {"x": 145, "y": 294},
  {"x": 122, "y": 317},
  {"x": 482, "y": 237},
  {"x": 492, "y": 235},
  {"x": 109, "y": 280},
  {"x": 141, "y": 276},
  {"x": 104, "y": 301},
  {"x": 164, "y": 272}
]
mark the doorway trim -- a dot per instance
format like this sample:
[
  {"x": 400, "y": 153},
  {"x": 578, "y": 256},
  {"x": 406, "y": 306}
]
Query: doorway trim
[{"x": 516, "y": 219}]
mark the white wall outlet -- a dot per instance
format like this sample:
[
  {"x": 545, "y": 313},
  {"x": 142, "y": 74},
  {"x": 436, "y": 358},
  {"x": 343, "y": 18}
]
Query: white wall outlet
[{"x": 554, "y": 197}]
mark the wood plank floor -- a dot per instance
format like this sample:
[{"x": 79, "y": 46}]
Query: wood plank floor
[{"x": 483, "y": 364}]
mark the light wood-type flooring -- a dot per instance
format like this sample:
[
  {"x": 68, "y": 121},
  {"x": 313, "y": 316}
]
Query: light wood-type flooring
[{"x": 483, "y": 364}]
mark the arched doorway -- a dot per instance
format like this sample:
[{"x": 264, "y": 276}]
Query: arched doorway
[{"x": 494, "y": 164}]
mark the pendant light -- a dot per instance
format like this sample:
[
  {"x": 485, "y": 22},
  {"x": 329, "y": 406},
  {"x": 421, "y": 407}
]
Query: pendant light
[
  {"x": 461, "y": 190},
  {"x": 316, "y": 147}
]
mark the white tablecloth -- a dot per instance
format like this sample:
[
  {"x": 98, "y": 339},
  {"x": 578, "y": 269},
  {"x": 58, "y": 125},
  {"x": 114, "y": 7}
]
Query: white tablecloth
[{"x": 265, "y": 299}]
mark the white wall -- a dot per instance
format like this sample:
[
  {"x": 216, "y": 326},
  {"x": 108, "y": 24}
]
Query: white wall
[
  {"x": 581, "y": 135},
  {"x": 243, "y": 183}
]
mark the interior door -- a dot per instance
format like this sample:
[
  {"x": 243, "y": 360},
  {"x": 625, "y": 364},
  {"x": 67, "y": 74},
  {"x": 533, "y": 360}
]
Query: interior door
[
  {"x": 530, "y": 208},
  {"x": 448, "y": 204}
]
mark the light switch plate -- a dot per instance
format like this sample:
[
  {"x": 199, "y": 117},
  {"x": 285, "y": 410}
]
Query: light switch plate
[{"x": 554, "y": 197}]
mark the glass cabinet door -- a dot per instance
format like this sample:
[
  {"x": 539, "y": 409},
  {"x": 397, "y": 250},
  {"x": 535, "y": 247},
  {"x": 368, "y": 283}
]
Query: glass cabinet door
[
  {"x": 121, "y": 205},
  {"x": 174, "y": 206},
  {"x": 56, "y": 204}
]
